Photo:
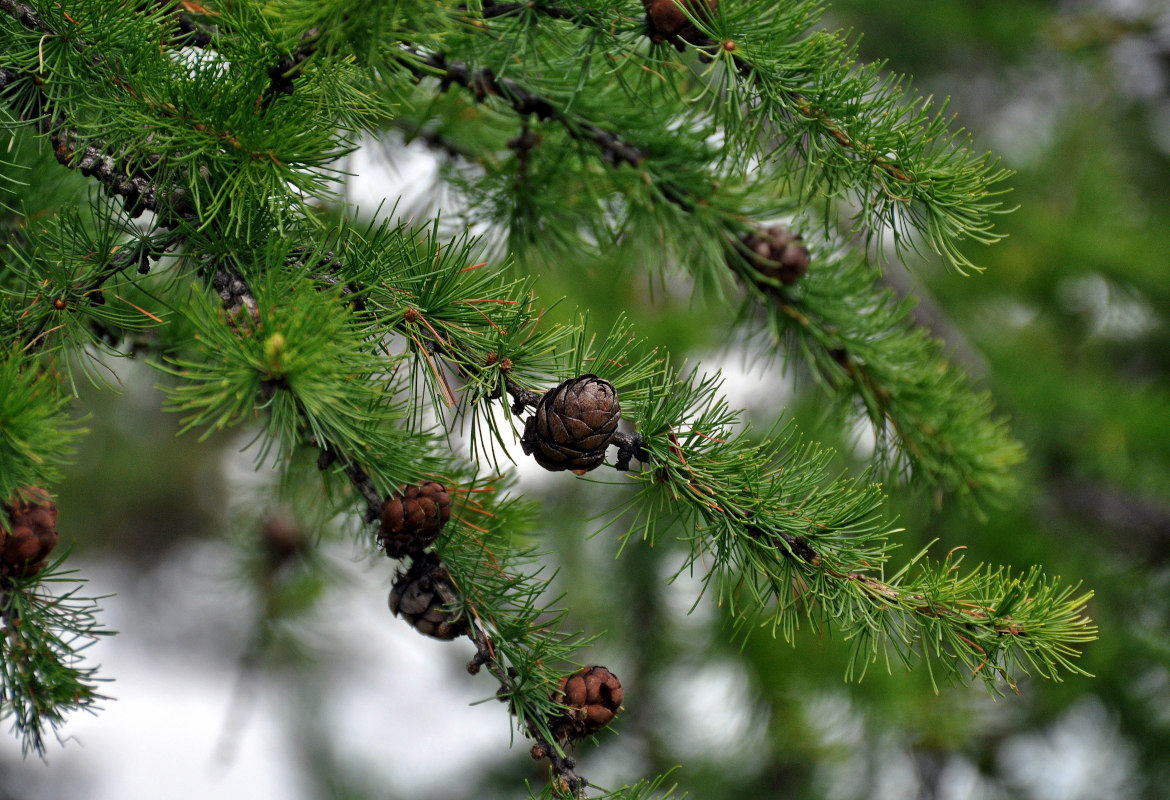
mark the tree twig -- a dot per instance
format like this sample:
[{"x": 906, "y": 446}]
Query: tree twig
[{"x": 564, "y": 766}]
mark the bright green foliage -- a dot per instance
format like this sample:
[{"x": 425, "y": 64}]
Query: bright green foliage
[
  {"x": 361, "y": 348},
  {"x": 781, "y": 542},
  {"x": 47, "y": 625},
  {"x": 510, "y": 604},
  {"x": 681, "y": 201},
  {"x": 857, "y": 339},
  {"x": 36, "y": 432}
]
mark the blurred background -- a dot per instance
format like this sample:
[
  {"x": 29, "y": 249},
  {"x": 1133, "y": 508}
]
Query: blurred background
[{"x": 1067, "y": 327}]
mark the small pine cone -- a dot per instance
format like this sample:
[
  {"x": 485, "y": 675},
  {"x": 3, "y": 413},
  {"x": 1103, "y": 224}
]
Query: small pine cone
[
  {"x": 282, "y": 539},
  {"x": 413, "y": 517},
  {"x": 573, "y": 425},
  {"x": 416, "y": 597},
  {"x": 593, "y": 697},
  {"x": 668, "y": 21},
  {"x": 777, "y": 253},
  {"x": 31, "y": 533}
]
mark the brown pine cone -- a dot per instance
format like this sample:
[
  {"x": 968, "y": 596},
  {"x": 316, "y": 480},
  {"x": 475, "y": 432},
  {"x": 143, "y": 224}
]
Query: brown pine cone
[
  {"x": 412, "y": 518},
  {"x": 282, "y": 539},
  {"x": 593, "y": 697},
  {"x": 668, "y": 21},
  {"x": 31, "y": 532},
  {"x": 777, "y": 253},
  {"x": 573, "y": 425},
  {"x": 416, "y": 597}
]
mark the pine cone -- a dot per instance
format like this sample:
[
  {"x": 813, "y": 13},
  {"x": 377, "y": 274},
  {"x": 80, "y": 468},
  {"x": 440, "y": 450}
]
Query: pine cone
[
  {"x": 777, "y": 254},
  {"x": 282, "y": 539},
  {"x": 31, "y": 533},
  {"x": 413, "y": 517},
  {"x": 593, "y": 696},
  {"x": 417, "y": 599},
  {"x": 668, "y": 21},
  {"x": 573, "y": 425}
]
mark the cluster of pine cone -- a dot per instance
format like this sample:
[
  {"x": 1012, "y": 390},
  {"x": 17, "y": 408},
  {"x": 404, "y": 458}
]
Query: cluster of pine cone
[
  {"x": 571, "y": 428},
  {"x": 29, "y": 534},
  {"x": 412, "y": 519}
]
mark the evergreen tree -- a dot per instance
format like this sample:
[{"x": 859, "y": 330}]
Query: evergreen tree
[{"x": 736, "y": 146}]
